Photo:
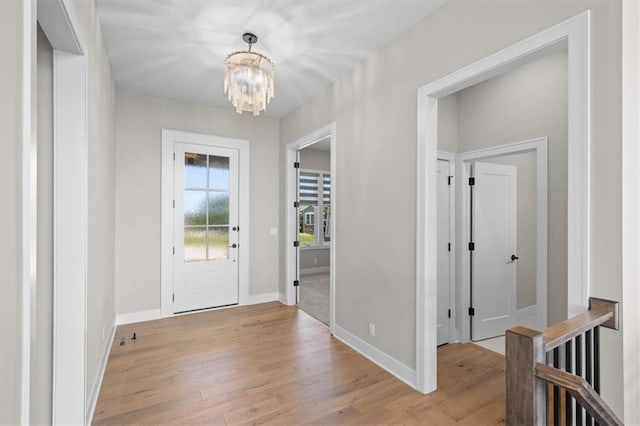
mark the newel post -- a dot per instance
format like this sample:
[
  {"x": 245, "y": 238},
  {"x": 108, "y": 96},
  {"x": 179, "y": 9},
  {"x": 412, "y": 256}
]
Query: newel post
[{"x": 525, "y": 393}]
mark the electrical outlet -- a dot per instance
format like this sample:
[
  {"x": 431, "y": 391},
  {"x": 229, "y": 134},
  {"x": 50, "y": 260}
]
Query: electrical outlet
[
  {"x": 104, "y": 331},
  {"x": 315, "y": 261},
  {"x": 273, "y": 231},
  {"x": 372, "y": 329}
]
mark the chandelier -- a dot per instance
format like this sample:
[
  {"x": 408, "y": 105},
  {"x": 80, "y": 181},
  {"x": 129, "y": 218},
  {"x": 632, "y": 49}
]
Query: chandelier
[{"x": 248, "y": 78}]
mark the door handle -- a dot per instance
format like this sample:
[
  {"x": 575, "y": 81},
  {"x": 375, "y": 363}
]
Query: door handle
[
  {"x": 234, "y": 245},
  {"x": 514, "y": 258}
]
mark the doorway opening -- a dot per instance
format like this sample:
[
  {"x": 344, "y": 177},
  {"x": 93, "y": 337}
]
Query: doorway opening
[
  {"x": 572, "y": 36},
  {"x": 310, "y": 228},
  {"x": 502, "y": 214},
  {"x": 314, "y": 233}
]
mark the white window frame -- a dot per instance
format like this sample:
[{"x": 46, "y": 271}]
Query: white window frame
[{"x": 318, "y": 239}]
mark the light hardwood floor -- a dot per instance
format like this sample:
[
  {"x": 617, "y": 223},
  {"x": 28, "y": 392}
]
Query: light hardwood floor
[{"x": 275, "y": 364}]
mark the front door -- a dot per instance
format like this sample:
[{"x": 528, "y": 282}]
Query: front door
[
  {"x": 205, "y": 227},
  {"x": 493, "y": 269}
]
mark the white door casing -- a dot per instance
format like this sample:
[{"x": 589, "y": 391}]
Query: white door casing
[
  {"x": 444, "y": 252},
  {"x": 169, "y": 139},
  {"x": 494, "y": 232},
  {"x": 206, "y": 195}
]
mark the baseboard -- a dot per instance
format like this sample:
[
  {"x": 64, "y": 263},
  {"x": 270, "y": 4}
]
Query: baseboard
[
  {"x": 527, "y": 311},
  {"x": 139, "y": 316},
  {"x": 95, "y": 392},
  {"x": 283, "y": 298},
  {"x": 316, "y": 270},
  {"x": 383, "y": 360},
  {"x": 263, "y": 298}
]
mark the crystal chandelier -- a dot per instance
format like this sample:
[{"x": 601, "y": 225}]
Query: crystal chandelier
[{"x": 248, "y": 78}]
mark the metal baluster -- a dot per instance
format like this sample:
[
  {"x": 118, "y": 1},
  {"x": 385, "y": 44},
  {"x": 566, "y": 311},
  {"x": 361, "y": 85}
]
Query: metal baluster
[
  {"x": 588, "y": 364},
  {"x": 578, "y": 373},
  {"x": 556, "y": 390},
  {"x": 596, "y": 361},
  {"x": 568, "y": 399}
]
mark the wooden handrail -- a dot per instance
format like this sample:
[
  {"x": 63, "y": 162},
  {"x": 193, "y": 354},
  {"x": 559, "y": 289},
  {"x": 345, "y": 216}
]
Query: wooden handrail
[
  {"x": 601, "y": 312},
  {"x": 581, "y": 391},
  {"x": 561, "y": 333}
]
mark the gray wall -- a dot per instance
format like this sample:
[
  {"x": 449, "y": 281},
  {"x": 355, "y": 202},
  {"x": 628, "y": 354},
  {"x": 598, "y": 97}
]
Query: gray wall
[
  {"x": 101, "y": 188},
  {"x": 10, "y": 176},
  {"x": 314, "y": 160},
  {"x": 139, "y": 125},
  {"x": 526, "y": 103},
  {"x": 42, "y": 383},
  {"x": 374, "y": 107}
]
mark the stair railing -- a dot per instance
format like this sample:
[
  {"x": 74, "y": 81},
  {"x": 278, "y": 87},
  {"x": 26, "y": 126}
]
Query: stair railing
[{"x": 553, "y": 376}]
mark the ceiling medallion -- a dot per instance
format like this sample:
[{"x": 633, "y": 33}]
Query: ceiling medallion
[{"x": 248, "y": 78}]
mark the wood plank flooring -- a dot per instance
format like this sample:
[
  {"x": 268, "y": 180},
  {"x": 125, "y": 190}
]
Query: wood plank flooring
[{"x": 274, "y": 364}]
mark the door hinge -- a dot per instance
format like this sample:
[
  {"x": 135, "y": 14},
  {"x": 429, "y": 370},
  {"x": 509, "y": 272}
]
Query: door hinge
[
  {"x": 296, "y": 283},
  {"x": 296, "y": 243},
  {"x": 472, "y": 181},
  {"x": 174, "y": 204},
  {"x": 296, "y": 204},
  {"x": 296, "y": 165},
  {"x": 472, "y": 312},
  {"x": 174, "y": 156},
  {"x": 449, "y": 180},
  {"x": 174, "y": 297},
  {"x": 448, "y": 246},
  {"x": 472, "y": 246},
  {"x": 449, "y": 313},
  {"x": 174, "y": 250}
]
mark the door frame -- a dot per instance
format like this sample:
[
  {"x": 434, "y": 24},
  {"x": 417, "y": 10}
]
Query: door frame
[
  {"x": 453, "y": 321},
  {"x": 169, "y": 138},
  {"x": 70, "y": 402},
  {"x": 328, "y": 131},
  {"x": 574, "y": 33},
  {"x": 540, "y": 147}
]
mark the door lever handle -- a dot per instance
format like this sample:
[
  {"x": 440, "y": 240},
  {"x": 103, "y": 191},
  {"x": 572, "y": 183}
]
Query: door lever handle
[
  {"x": 514, "y": 258},
  {"x": 234, "y": 245}
]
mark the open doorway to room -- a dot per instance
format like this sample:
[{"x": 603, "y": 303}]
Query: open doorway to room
[
  {"x": 314, "y": 233},
  {"x": 310, "y": 230},
  {"x": 502, "y": 231}
]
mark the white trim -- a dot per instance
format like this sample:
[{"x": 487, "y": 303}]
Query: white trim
[
  {"x": 375, "y": 355},
  {"x": 140, "y": 316},
  {"x": 540, "y": 147},
  {"x": 70, "y": 237},
  {"x": 97, "y": 384},
  {"x": 315, "y": 270},
  {"x": 575, "y": 33},
  {"x": 290, "y": 265},
  {"x": 255, "y": 299},
  {"x": 454, "y": 333},
  {"x": 169, "y": 138},
  {"x": 526, "y": 312},
  {"x": 29, "y": 203},
  {"x": 69, "y": 217},
  {"x": 630, "y": 209},
  {"x": 282, "y": 298}
]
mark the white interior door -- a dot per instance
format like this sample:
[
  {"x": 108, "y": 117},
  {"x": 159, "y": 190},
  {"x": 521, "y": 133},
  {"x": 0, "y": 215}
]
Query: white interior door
[
  {"x": 205, "y": 227},
  {"x": 444, "y": 253},
  {"x": 493, "y": 271}
]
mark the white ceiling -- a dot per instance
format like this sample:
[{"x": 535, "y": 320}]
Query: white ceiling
[{"x": 176, "y": 48}]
